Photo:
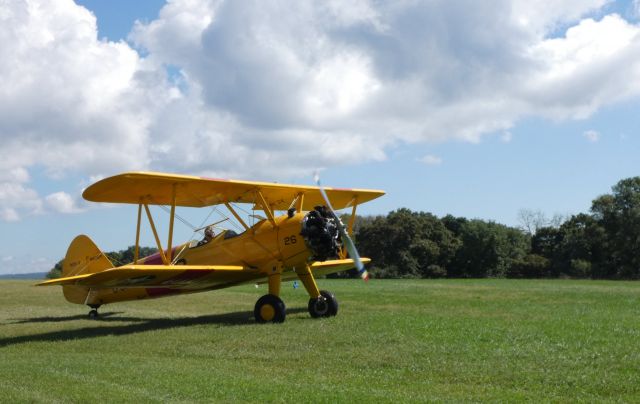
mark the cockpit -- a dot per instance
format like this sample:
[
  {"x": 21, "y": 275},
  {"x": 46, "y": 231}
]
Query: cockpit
[{"x": 225, "y": 234}]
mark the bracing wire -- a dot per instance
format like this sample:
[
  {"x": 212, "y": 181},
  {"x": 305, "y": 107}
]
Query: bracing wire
[
  {"x": 206, "y": 219},
  {"x": 180, "y": 218},
  {"x": 186, "y": 222},
  {"x": 200, "y": 228},
  {"x": 233, "y": 222},
  {"x": 251, "y": 214},
  {"x": 214, "y": 208}
]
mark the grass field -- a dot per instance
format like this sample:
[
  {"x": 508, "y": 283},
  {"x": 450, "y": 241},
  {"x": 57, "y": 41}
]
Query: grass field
[{"x": 392, "y": 341}]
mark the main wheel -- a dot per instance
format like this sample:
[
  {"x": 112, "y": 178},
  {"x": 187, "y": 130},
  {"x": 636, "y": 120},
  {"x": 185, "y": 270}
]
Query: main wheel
[
  {"x": 269, "y": 308},
  {"x": 326, "y": 305}
]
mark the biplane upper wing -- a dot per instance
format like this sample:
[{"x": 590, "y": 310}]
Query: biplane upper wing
[
  {"x": 159, "y": 188},
  {"x": 159, "y": 276}
]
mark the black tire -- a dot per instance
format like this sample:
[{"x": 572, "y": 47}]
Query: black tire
[
  {"x": 269, "y": 309},
  {"x": 93, "y": 314},
  {"x": 326, "y": 305}
]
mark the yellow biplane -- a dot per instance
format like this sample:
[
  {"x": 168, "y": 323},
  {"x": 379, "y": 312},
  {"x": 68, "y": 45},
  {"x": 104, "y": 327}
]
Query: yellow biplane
[{"x": 306, "y": 242}]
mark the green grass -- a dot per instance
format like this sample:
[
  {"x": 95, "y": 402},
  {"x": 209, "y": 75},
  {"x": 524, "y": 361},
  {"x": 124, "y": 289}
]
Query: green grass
[{"x": 392, "y": 341}]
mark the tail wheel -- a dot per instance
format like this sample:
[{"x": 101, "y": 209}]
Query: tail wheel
[
  {"x": 93, "y": 314},
  {"x": 269, "y": 309},
  {"x": 325, "y": 305}
]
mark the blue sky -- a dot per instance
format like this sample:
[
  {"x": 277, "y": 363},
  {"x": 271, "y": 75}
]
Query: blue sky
[{"x": 449, "y": 107}]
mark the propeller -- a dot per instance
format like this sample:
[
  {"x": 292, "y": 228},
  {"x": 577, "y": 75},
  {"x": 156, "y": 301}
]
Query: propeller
[{"x": 351, "y": 247}]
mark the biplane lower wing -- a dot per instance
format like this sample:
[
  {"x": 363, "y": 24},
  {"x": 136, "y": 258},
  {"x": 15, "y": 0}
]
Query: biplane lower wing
[
  {"x": 159, "y": 276},
  {"x": 320, "y": 268}
]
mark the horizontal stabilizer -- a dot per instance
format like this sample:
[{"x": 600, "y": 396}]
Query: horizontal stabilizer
[{"x": 69, "y": 280}]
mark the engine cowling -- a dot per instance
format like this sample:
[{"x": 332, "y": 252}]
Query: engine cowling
[{"x": 321, "y": 235}]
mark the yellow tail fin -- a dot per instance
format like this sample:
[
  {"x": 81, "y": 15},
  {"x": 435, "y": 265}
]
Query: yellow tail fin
[{"x": 83, "y": 257}]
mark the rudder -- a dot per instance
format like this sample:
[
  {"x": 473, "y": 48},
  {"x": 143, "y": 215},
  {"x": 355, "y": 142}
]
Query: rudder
[{"x": 83, "y": 257}]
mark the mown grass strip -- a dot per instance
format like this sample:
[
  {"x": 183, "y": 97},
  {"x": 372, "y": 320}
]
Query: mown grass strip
[{"x": 393, "y": 340}]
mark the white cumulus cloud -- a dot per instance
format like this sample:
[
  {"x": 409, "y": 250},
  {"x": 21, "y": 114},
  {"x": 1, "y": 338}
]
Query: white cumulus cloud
[
  {"x": 271, "y": 90},
  {"x": 15, "y": 198},
  {"x": 62, "y": 202}
]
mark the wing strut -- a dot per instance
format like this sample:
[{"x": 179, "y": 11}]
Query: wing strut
[
  {"x": 300, "y": 202},
  {"x": 235, "y": 214},
  {"x": 172, "y": 216},
  {"x": 266, "y": 208},
  {"x": 136, "y": 254},
  {"x": 166, "y": 257},
  {"x": 352, "y": 219},
  {"x": 155, "y": 234}
]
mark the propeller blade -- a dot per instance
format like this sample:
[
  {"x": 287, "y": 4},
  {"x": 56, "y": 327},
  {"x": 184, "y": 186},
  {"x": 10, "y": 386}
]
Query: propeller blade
[{"x": 351, "y": 247}]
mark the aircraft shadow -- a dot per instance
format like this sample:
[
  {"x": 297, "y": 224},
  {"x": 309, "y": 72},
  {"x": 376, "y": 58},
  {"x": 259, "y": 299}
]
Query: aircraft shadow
[
  {"x": 140, "y": 325},
  {"x": 49, "y": 319}
]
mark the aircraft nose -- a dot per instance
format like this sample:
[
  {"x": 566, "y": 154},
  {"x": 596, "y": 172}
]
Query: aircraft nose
[{"x": 321, "y": 235}]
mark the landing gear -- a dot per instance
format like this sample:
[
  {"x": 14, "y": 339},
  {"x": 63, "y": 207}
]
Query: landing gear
[
  {"x": 269, "y": 308},
  {"x": 322, "y": 303},
  {"x": 93, "y": 314},
  {"x": 325, "y": 305}
]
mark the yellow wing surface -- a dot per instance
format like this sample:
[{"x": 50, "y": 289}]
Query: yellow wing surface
[
  {"x": 329, "y": 267},
  {"x": 184, "y": 276},
  {"x": 162, "y": 276},
  {"x": 158, "y": 189}
]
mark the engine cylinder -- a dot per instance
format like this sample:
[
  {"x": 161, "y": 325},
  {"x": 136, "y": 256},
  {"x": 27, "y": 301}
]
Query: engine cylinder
[{"x": 321, "y": 235}]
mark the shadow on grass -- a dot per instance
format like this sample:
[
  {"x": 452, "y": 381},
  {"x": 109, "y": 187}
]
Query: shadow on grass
[
  {"x": 141, "y": 325},
  {"x": 49, "y": 319}
]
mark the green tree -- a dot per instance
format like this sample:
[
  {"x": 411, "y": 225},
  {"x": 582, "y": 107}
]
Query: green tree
[
  {"x": 531, "y": 266},
  {"x": 580, "y": 251},
  {"x": 487, "y": 248},
  {"x": 407, "y": 244},
  {"x": 603, "y": 244},
  {"x": 123, "y": 257},
  {"x": 56, "y": 271},
  {"x": 619, "y": 215}
]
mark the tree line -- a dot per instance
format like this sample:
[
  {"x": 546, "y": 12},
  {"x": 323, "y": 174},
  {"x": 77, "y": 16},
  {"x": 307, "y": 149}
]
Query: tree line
[{"x": 601, "y": 244}]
